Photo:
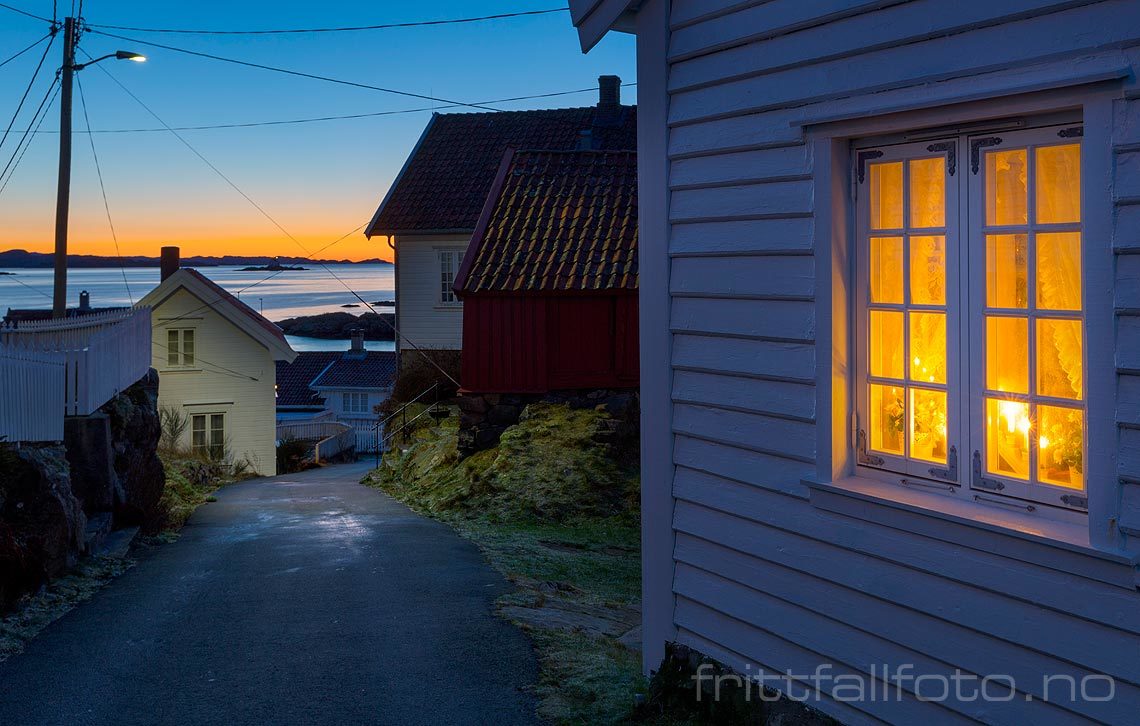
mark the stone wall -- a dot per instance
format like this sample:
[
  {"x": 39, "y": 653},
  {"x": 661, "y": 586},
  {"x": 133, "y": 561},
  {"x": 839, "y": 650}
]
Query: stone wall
[{"x": 486, "y": 416}]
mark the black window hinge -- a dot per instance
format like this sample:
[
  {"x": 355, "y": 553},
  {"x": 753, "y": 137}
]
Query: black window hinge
[
  {"x": 981, "y": 482},
  {"x": 950, "y": 473},
  {"x": 861, "y": 451},
  {"x": 976, "y": 150}
]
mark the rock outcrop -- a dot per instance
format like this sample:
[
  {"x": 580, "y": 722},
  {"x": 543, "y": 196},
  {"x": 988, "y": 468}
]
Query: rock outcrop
[{"x": 135, "y": 431}]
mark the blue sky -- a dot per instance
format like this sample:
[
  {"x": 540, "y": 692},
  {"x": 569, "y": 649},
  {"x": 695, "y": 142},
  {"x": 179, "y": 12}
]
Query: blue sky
[{"x": 319, "y": 180}]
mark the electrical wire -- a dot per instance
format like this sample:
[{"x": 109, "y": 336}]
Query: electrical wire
[
  {"x": 36, "y": 290},
  {"x": 273, "y": 221},
  {"x": 25, "y": 50},
  {"x": 300, "y": 74},
  {"x": 351, "y": 28},
  {"x": 253, "y": 124},
  {"x": 27, "y": 136},
  {"x": 25, "y": 12},
  {"x": 31, "y": 83},
  {"x": 28, "y": 144},
  {"x": 103, "y": 188}
]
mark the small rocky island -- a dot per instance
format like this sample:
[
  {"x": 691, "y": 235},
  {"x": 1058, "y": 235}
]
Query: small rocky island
[
  {"x": 272, "y": 267},
  {"x": 339, "y": 326}
]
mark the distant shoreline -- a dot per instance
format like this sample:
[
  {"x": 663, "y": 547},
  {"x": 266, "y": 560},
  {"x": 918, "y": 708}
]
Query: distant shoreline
[{"x": 22, "y": 259}]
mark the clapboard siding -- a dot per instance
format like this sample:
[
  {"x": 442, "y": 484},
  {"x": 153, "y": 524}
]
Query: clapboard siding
[
  {"x": 782, "y": 162},
  {"x": 933, "y": 577},
  {"x": 902, "y": 24},
  {"x": 746, "y": 236},
  {"x": 1126, "y": 289},
  {"x": 767, "y": 276},
  {"x": 1126, "y": 175},
  {"x": 775, "y": 398},
  {"x": 1128, "y": 399},
  {"x": 763, "y": 319},
  {"x": 766, "y": 434},
  {"x": 1040, "y": 38},
  {"x": 744, "y": 201}
]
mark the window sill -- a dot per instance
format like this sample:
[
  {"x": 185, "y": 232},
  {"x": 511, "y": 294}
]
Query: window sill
[
  {"x": 1018, "y": 535},
  {"x": 181, "y": 369}
]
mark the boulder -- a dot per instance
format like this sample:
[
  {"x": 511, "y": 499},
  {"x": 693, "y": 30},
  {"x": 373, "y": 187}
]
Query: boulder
[{"x": 135, "y": 431}]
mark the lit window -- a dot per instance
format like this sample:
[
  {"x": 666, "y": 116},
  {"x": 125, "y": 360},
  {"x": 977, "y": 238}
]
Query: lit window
[
  {"x": 180, "y": 348},
  {"x": 449, "y": 261},
  {"x": 971, "y": 333},
  {"x": 208, "y": 434}
]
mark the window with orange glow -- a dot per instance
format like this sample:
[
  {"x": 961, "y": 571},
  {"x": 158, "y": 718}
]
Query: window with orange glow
[{"x": 971, "y": 331}]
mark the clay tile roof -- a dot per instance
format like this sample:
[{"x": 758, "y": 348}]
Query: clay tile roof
[
  {"x": 293, "y": 379},
  {"x": 374, "y": 369},
  {"x": 557, "y": 221},
  {"x": 445, "y": 181}
]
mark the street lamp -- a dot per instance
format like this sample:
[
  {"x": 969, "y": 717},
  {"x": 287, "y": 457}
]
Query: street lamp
[{"x": 63, "y": 191}]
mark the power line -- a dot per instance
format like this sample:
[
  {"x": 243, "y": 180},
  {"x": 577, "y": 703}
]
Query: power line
[
  {"x": 27, "y": 136},
  {"x": 351, "y": 28},
  {"x": 103, "y": 188},
  {"x": 28, "y": 144},
  {"x": 25, "y": 50},
  {"x": 300, "y": 74},
  {"x": 254, "y": 124},
  {"x": 25, "y": 12},
  {"x": 20, "y": 106}
]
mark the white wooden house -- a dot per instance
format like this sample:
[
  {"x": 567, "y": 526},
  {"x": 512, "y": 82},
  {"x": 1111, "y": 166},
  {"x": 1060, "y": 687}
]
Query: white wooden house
[
  {"x": 890, "y": 338},
  {"x": 215, "y": 358}
]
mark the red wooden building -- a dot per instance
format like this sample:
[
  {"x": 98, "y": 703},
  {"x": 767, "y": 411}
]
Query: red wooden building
[{"x": 549, "y": 284}]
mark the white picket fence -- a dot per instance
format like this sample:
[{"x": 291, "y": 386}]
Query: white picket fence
[
  {"x": 331, "y": 438},
  {"x": 87, "y": 361}
]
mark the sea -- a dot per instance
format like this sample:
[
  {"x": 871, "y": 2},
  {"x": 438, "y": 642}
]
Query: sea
[{"x": 277, "y": 296}]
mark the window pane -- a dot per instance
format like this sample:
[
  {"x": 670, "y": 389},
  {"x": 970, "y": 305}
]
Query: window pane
[
  {"x": 1059, "y": 270},
  {"x": 1058, "y": 184},
  {"x": 187, "y": 347},
  {"x": 887, "y": 269},
  {"x": 928, "y": 347},
  {"x": 197, "y": 432},
  {"x": 1007, "y": 354},
  {"x": 1007, "y": 438},
  {"x": 928, "y": 425},
  {"x": 928, "y": 270},
  {"x": 886, "y": 344},
  {"x": 887, "y": 417},
  {"x": 1059, "y": 358},
  {"x": 1060, "y": 446},
  {"x": 1007, "y": 270},
  {"x": 1006, "y": 190},
  {"x": 172, "y": 347},
  {"x": 887, "y": 196},
  {"x": 928, "y": 192}
]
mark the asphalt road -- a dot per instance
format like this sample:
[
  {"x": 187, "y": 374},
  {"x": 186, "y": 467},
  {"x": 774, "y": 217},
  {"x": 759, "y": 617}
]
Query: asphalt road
[{"x": 303, "y": 599}]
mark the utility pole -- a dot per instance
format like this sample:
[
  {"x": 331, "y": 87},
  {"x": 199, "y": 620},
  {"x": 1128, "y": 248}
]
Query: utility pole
[{"x": 63, "y": 192}]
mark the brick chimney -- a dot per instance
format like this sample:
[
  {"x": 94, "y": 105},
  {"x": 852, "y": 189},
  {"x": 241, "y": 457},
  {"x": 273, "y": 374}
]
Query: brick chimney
[
  {"x": 357, "y": 337},
  {"x": 170, "y": 262},
  {"x": 84, "y": 301},
  {"x": 609, "y": 92}
]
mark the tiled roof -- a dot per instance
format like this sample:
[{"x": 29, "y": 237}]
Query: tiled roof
[
  {"x": 374, "y": 369},
  {"x": 557, "y": 221},
  {"x": 223, "y": 295},
  {"x": 445, "y": 182},
  {"x": 293, "y": 379}
]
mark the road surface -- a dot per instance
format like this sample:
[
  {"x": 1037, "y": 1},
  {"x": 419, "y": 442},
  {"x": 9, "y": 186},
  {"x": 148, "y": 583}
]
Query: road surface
[{"x": 304, "y": 599}]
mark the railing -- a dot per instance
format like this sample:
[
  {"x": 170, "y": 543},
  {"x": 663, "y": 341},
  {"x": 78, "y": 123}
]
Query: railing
[
  {"x": 102, "y": 354},
  {"x": 32, "y": 405},
  {"x": 366, "y": 438},
  {"x": 384, "y": 432},
  {"x": 331, "y": 438},
  {"x": 336, "y": 445}
]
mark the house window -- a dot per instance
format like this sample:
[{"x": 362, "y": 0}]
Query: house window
[
  {"x": 448, "y": 267},
  {"x": 208, "y": 434},
  {"x": 180, "y": 348},
  {"x": 970, "y": 329},
  {"x": 354, "y": 402}
]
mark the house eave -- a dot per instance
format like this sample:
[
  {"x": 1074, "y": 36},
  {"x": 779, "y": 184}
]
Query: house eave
[{"x": 595, "y": 18}]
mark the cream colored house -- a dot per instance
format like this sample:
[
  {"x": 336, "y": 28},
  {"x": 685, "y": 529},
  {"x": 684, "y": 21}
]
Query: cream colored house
[
  {"x": 433, "y": 207},
  {"x": 216, "y": 360}
]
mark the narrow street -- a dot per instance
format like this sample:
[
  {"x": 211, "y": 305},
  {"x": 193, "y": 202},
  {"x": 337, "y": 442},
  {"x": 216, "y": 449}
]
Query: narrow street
[{"x": 297, "y": 599}]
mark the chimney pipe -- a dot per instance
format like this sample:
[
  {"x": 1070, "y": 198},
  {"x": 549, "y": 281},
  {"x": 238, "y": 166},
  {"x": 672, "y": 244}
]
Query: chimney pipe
[
  {"x": 170, "y": 262},
  {"x": 357, "y": 341},
  {"x": 609, "y": 92},
  {"x": 84, "y": 300}
]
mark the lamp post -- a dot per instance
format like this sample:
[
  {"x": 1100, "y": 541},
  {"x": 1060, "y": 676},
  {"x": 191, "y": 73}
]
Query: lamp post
[{"x": 63, "y": 191}]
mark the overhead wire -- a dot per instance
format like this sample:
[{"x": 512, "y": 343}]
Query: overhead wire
[
  {"x": 25, "y": 12},
  {"x": 103, "y": 188},
  {"x": 24, "y": 98},
  {"x": 26, "y": 138},
  {"x": 25, "y": 50},
  {"x": 351, "y": 28}
]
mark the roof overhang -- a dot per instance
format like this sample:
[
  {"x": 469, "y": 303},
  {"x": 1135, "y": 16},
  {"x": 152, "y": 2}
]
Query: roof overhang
[
  {"x": 371, "y": 230},
  {"x": 595, "y": 18}
]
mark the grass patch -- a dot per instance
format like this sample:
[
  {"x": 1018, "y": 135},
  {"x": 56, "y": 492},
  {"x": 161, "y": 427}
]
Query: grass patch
[
  {"x": 190, "y": 483},
  {"x": 558, "y": 516}
]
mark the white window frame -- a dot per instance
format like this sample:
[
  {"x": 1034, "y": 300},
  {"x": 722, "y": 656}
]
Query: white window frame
[
  {"x": 176, "y": 354},
  {"x": 212, "y": 445},
  {"x": 354, "y": 402},
  {"x": 448, "y": 261},
  {"x": 837, "y": 479},
  {"x": 966, "y": 465}
]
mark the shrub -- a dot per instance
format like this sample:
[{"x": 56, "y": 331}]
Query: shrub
[{"x": 419, "y": 369}]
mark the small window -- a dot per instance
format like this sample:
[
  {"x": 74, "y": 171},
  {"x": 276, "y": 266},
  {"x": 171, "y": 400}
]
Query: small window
[
  {"x": 970, "y": 329},
  {"x": 354, "y": 402},
  {"x": 208, "y": 434},
  {"x": 180, "y": 348},
  {"x": 448, "y": 268}
]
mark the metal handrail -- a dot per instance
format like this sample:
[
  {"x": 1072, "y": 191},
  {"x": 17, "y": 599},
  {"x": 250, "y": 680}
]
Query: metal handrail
[{"x": 402, "y": 411}]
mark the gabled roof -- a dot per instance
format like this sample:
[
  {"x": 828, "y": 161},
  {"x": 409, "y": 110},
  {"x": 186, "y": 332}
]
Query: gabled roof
[
  {"x": 213, "y": 295},
  {"x": 594, "y": 18},
  {"x": 372, "y": 369},
  {"x": 557, "y": 221},
  {"x": 293, "y": 378},
  {"x": 445, "y": 181}
]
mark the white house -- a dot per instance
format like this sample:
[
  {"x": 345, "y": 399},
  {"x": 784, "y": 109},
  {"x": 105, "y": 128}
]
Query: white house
[
  {"x": 337, "y": 386},
  {"x": 890, "y": 345},
  {"x": 430, "y": 212},
  {"x": 215, "y": 357}
]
